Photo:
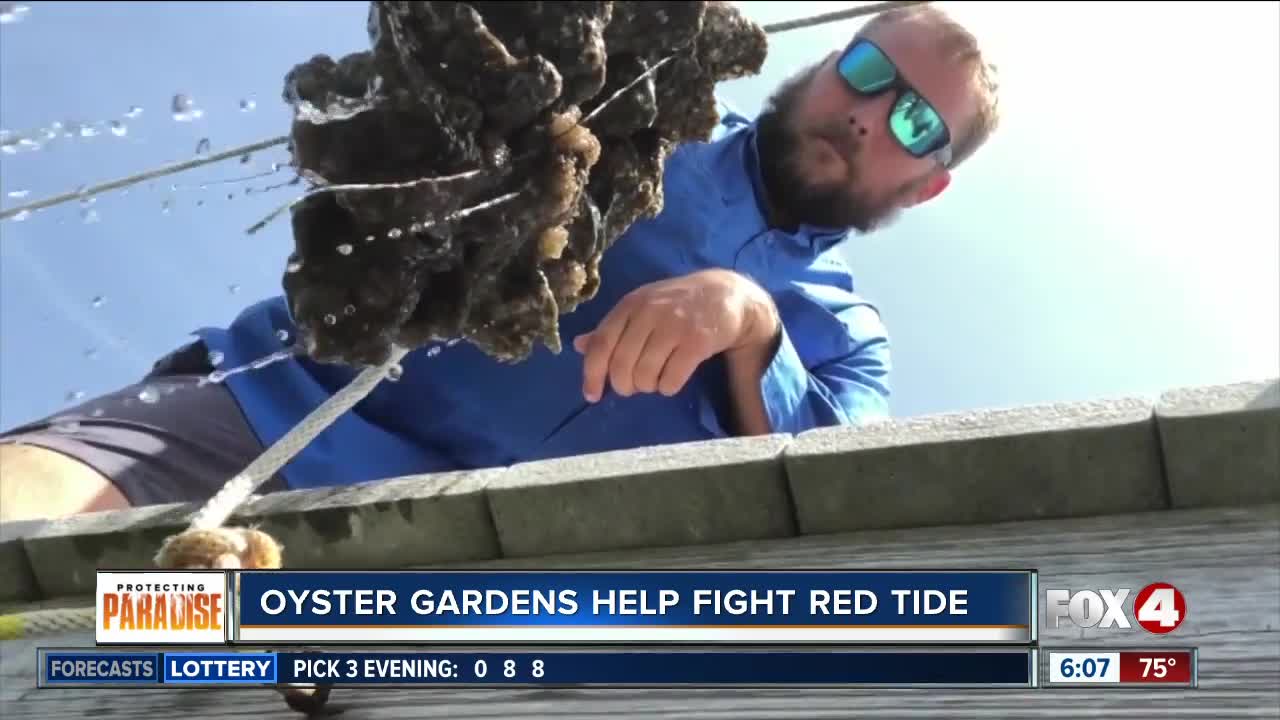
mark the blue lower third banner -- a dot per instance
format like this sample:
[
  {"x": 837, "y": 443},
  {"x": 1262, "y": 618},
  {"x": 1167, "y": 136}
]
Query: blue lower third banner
[
  {"x": 977, "y": 667},
  {"x": 513, "y": 607}
]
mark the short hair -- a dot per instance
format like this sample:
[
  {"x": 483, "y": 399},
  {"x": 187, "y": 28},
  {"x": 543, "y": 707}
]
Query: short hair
[{"x": 961, "y": 46}]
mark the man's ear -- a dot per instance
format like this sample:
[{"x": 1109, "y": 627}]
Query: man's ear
[{"x": 931, "y": 187}]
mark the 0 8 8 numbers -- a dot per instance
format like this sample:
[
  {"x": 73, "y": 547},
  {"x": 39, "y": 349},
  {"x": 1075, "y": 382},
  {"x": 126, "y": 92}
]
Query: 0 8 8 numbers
[{"x": 481, "y": 669}]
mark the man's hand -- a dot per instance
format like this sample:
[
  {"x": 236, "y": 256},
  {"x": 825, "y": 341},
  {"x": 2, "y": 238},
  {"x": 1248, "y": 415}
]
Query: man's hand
[{"x": 657, "y": 335}]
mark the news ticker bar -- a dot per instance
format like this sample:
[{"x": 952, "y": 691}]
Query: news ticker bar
[
  {"x": 913, "y": 667},
  {"x": 808, "y": 667},
  {"x": 521, "y": 607}
]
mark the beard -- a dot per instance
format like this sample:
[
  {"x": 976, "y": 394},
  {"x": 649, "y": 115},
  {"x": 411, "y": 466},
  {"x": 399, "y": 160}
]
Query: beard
[{"x": 796, "y": 198}]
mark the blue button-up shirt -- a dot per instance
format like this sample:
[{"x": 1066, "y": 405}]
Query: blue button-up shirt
[{"x": 456, "y": 408}]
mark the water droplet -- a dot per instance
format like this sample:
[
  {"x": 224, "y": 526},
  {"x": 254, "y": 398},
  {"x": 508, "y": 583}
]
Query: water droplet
[
  {"x": 282, "y": 335},
  {"x": 293, "y": 267},
  {"x": 275, "y": 167},
  {"x": 97, "y": 412},
  {"x": 349, "y": 310},
  {"x": 148, "y": 395},
  {"x": 246, "y": 158},
  {"x": 89, "y": 216},
  {"x": 88, "y": 131},
  {"x": 91, "y": 353},
  {"x": 415, "y": 228},
  {"x": 11, "y": 13},
  {"x": 28, "y": 144},
  {"x": 217, "y": 376},
  {"x": 184, "y": 108},
  {"x": 203, "y": 147},
  {"x": 247, "y": 105},
  {"x": 22, "y": 215},
  {"x": 233, "y": 289},
  {"x": 231, "y": 196},
  {"x": 66, "y": 426},
  {"x": 216, "y": 358},
  {"x": 394, "y": 373},
  {"x": 330, "y": 319},
  {"x": 8, "y": 149},
  {"x": 369, "y": 238},
  {"x": 433, "y": 351},
  {"x": 344, "y": 249},
  {"x": 134, "y": 111},
  {"x": 199, "y": 203},
  {"x": 394, "y": 233},
  {"x": 97, "y": 301},
  {"x": 166, "y": 207},
  {"x": 118, "y": 128},
  {"x": 453, "y": 342},
  {"x": 19, "y": 193},
  {"x": 75, "y": 395}
]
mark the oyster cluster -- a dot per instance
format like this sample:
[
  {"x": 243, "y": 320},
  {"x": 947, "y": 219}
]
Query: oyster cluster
[{"x": 554, "y": 118}]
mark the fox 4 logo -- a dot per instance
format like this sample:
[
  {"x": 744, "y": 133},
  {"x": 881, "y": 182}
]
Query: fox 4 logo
[{"x": 1158, "y": 608}]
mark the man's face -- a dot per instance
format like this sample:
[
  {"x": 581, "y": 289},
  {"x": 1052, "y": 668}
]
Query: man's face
[{"x": 829, "y": 150}]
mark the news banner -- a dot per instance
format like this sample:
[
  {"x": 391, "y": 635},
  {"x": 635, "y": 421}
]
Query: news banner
[{"x": 794, "y": 628}]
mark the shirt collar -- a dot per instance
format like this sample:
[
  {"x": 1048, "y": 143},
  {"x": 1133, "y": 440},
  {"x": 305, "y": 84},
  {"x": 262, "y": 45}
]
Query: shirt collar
[{"x": 740, "y": 172}]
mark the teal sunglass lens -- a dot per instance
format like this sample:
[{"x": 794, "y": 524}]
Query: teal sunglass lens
[
  {"x": 866, "y": 69},
  {"x": 916, "y": 124}
]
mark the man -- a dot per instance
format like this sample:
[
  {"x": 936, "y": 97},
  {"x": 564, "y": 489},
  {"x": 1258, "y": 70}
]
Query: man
[{"x": 730, "y": 313}]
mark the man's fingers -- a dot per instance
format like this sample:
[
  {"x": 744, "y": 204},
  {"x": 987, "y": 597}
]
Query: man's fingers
[
  {"x": 680, "y": 367},
  {"x": 627, "y": 352},
  {"x": 599, "y": 351},
  {"x": 648, "y": 371}
]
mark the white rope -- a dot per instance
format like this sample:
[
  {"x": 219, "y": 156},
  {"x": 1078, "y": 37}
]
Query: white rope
[{"x": 237, "y": 490}]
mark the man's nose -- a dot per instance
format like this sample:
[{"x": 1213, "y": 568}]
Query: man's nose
[{"x": 870, "y": 116}]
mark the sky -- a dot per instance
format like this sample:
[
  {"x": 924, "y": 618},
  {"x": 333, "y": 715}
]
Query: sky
[{"x": 1119, "y": 236}]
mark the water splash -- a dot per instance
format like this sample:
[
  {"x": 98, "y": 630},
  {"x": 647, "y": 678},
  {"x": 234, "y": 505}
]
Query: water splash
[
  {"x": 88, "y": 131},
  {"x": 19, "y": 193},
  {"x": 349, "y": 310},
  {"x": 330, "y": 319},
  {"x": 149, "y": 395},
  {"x": 166, "y": 207},
  {"x": 98, "y": 301},
  {"x": 248, "y": 105},
  {"x": 216, "y": 358},
  {"x": 344, "y": 249},
  {"x": 134, "y": 111},
  {"x": 119, "y": 129},
  {"x": 12, "y": 13},
  {"x": 282, "y": 335},
  {"x": 89, "y": 216},
  {"x": 75, "y": 395},
  {"x": 21, "y": 215},
  {"x": 203, "y": 147},
  {"x": 219, "y": 376},
  {"x": 233, "y": 289},
  {"x": 293, "y": 266},
  {"x": 433, "y": 351},
  {"x": 91, "y": 353},
  {"x": 184, "y": 108},
  {"x": 339, "y": 109}
]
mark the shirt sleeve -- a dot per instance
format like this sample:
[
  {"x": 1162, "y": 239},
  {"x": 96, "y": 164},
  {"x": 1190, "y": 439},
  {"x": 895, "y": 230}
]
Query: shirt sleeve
[{"x": 831, "y": 366}]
